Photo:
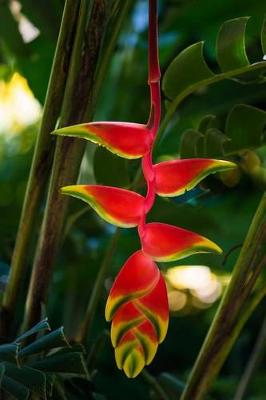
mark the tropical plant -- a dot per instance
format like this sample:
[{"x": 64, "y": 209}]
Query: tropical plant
[{"x": 137, "y": 304}]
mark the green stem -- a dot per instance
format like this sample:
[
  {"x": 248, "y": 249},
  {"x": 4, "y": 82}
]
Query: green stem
[
  {"x": 85, "y": 326},
  {"x": 232, "y": 312},
  {"x": 254, "y": 360},
  {"x": 153, "y": 382},
  {"x": 69, "y": 152},
  {"x": 42, "y": 158}
]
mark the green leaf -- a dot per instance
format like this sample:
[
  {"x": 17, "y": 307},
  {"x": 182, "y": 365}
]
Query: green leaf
[
  {"x": 188, "y": 68},
  {"x": 67, "y": 363},
  {"x": 31, "y": 378},
  {"x": 208, "y": 121},
  {"x": 189, "y": 142},
  {"x": 189, "y": 72},
  {"x": 211, "y": 144},
  {"x": 41, "y": 326},
  {"x": 231, "y": 51},
  {"x": 109, "y": 169},
  {"x": 245, "y": 128},
  {"x": 9, "y": 352},
  {"x": 51, "y": 340},
  {"x": 16, "y": 389},
  {"x": 214, "y": 143}
]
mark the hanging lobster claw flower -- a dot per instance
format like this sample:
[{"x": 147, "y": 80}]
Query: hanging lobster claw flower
[
  {"x": 138, "y": 307},
  {"x": 165, "y": 242},
  {"x": 117, "y": 206},
  {"x": 128, "y": 140},
  {"x": 175, "y": 177}
]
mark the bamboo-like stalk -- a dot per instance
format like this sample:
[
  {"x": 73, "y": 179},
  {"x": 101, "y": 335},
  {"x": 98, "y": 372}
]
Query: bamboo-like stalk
[
  {"x": 85, "y": 326},
  {"x": 77, "y": 107},
  {"x": 253, "y": 362},
  {"x": 42, "y": 159},
  {"x": 233, "y": 311}
]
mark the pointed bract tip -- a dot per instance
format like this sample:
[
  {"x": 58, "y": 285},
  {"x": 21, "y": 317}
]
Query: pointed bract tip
[
  {"x": 66, "y": 189},
  {"x": 213, "y": 246},
  {"x": 134, "y": 364},
  {"x": 227, "y": 164}
]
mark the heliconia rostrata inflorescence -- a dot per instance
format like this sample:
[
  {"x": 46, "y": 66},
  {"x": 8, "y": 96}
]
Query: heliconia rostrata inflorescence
[{"x": 137, "y": 304}]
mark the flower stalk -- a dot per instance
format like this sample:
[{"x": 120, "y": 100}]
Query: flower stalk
[
  {"x": 68, "y": 154},
  {"x": 234, "y": 309}
]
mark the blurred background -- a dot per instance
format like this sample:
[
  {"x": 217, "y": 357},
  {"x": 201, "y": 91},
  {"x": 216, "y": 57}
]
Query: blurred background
[{"x": 221, "y": 208}]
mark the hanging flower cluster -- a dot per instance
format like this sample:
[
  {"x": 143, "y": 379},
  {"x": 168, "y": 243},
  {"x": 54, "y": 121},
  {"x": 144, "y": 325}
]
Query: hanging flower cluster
[{"x": 137, "y": 304}]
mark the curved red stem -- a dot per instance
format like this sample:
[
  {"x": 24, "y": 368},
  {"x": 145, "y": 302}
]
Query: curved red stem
[{"x": 155, "y": 111}]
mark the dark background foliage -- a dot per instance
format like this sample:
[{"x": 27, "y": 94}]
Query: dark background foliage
[{"x": 221, "y": 208}]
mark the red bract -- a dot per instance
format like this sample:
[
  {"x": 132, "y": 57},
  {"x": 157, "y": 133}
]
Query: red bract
[
  {"x": 138, "y": 308},
  {"x": 137, "y": 277},
  {"x": 117, "y": 206},
  {"x": 165, "y": 242},
  {"x": 125, "y": 139},
  {"x": 174, "y": 177},
  {"x": 137, "y": 303}
]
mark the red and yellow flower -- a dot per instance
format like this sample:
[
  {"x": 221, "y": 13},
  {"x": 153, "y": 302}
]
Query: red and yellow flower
[{"x": 137, "y": 304}]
